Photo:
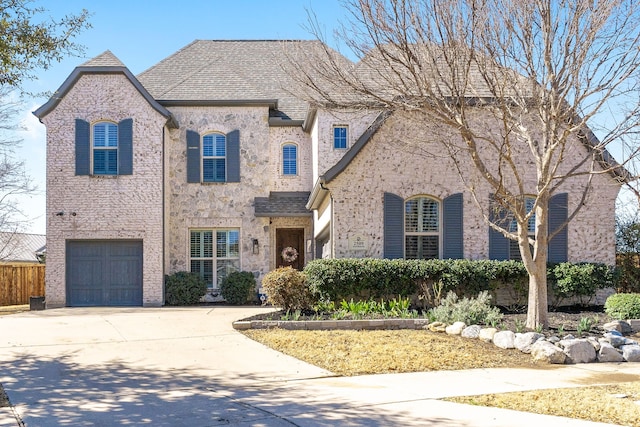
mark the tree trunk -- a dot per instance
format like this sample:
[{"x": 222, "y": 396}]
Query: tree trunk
[{"x": 537, "y": 314}]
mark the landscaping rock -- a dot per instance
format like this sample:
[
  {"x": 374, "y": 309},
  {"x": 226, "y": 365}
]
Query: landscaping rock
[
  {"x": 455, "y": 329},
  {"x": 631, "y": 353},
  {"x": 544, "y": 351},
  {"x": 436, "y": 327},
  {"x": 504, "y": 339},
  {"x": 523, "y": 342},
  {"x": 634, "y": 324},
  {"x": 614, "y": 339},
  {"x": 472, "y": 331},
  {"x": 486, "y": 334},
  {"x": 609, "y": 353},
  {"x": 554, "y": 339},
  {"x": 618, "y": 325},
  {"x": 578, "y": 350},
  {"x": 595, "y": 343}
]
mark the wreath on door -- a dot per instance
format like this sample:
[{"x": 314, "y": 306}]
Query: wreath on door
[{"x": 289, "y": 254}]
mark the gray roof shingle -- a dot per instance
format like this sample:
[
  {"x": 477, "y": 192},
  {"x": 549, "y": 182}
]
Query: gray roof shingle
[
  {"x": 228, "y": 70},
  {"x": 283, "y": 203},
  {"x": 21, "y": 247}
]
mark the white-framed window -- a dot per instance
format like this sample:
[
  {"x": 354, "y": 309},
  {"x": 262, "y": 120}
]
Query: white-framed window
[
  {"x": 289, "y": 159},
  {"x": 341, "y": 137},
  {"x": 214, "y": 157},
  {"x": 214, "y": 254},
  {"x": 104, "y": 146},
  {"x": 422, "y": 232},
  {"x": 514, "y": 248}
]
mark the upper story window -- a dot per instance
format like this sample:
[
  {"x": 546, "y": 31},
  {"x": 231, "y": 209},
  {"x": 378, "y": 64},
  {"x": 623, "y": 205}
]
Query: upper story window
[
  {"x": 214, "y": 158},
  {"x": 289, "y": 159},
  {"x": 422, "y": 228},
  {"x": 340, "y": 137},
  {"x": 105, "y": 148}
]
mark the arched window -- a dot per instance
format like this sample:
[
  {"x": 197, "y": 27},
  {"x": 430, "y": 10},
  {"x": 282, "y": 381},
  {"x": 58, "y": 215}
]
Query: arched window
[
  {"x": 422, "y": 228},
  {"x": 105, "y": 148},
  {"x": 214, "y": 157},
  {"x": 290, "y": 159}
]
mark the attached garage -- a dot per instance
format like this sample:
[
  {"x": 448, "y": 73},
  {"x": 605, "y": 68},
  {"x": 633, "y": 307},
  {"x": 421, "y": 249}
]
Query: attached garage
[{"x": 104, "y": 273}]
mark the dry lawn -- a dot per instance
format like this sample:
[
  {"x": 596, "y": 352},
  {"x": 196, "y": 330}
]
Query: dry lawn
[{"x": 376, "y": 352}]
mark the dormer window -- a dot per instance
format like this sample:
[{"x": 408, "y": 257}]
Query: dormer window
[{"x": 340, "y": 137}]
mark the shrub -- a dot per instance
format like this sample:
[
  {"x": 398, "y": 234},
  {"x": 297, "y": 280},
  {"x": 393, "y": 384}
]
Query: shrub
[
  {"x": 238, "y": 287},
  {"x": 184, "y": 288},
  {"x": 471, "y": 311},
  {"x": 580, "y": 279},
  {"x": 623, "y": 306},
  {"x": 286, "y": 288}
]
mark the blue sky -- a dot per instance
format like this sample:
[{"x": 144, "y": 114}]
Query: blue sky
[{"x": 143, "y": 32}]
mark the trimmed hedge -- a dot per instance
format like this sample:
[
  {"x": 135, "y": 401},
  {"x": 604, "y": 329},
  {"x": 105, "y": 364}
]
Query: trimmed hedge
[
  {"x": 366, "y": 278},
  {"x": 184, "y": 288},
  {"x": 238, "y": 287},
  {"x": 623, "y": 306}
]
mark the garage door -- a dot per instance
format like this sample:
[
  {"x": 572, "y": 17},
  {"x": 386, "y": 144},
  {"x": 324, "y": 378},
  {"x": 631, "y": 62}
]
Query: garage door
[{"x": 104, "y": 273}]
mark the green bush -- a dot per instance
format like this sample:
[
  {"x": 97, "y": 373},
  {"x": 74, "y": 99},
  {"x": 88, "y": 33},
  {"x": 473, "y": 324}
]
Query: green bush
[
  {"x": 580, "y": 279},
  {"x": 184, "y": 288},
  {"x": 286, "y": 288},
  {"x": 471, "y": 311},
  {"x": 623, "y": 306},
  {"x": 238, "y": 287}
]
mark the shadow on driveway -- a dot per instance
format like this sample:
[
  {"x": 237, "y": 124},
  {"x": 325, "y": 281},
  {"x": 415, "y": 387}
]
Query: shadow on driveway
[{"x": 56, "y": 392}]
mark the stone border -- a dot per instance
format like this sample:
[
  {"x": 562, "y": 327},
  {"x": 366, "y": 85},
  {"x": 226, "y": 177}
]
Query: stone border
[{"x": 314, "y": 325}]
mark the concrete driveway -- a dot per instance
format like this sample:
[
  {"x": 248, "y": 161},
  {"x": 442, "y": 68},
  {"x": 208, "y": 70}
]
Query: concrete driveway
[{"x": 188, "y": 367}]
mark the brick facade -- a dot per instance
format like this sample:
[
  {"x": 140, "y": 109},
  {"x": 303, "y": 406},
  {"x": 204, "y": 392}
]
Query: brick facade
[{"x": 104, "y": 207}]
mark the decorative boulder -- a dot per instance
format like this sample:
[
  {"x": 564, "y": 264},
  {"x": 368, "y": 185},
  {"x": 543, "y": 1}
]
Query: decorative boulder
[
  {"x": 544, "y": 351},
  {"x": 472, "y": 331},
  {"x": 455, "y": 329},
  {"x": 578, "y": 350},
  {"x": 504, "y": 339},
  {"x": 608, "y": 353},
  {"x": 618, "y": 325},
  {"x": 631, "y": 353},
  {"x": 436, "y": 327},
  {"x": 614, "y": 339},
  {"x": 523, "y": 342},
  {"x": 486, "y": 334}
]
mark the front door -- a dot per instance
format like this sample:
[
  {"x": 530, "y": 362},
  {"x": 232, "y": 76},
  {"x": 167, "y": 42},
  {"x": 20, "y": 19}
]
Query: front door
[{"x": 290, "y": 247}]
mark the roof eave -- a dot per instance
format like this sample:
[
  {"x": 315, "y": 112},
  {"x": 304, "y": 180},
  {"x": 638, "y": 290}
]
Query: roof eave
[
  {"x": 318, "y": 193},
  {"x": 271, "y": 103},
  {"x": 78, "y": 72}
]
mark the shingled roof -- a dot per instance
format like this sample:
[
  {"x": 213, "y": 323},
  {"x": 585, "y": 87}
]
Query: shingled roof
[
  {"x": 283, "y": 203},
  {"x": 236, "y": 72}
]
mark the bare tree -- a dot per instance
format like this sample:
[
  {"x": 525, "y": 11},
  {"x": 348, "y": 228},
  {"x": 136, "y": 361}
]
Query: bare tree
[
  {"x": 29, "y": 42},
  {"x": 514, "y": 84}
]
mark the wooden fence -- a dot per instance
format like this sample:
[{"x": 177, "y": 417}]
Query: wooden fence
[{"x": 19, "y": 282}]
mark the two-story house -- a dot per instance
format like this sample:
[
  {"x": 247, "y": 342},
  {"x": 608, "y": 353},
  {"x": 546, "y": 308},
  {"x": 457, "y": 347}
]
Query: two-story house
[{"x": 205, "y": 162}]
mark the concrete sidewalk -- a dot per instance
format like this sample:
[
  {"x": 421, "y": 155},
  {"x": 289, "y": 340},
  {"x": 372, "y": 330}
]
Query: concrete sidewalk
[{"x": 188, "y": 367}]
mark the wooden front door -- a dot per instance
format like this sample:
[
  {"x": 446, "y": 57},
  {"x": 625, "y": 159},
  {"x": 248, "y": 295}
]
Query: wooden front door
[{"x": 293, "y": 240}]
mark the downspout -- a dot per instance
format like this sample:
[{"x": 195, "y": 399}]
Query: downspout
[{"x": 164, "y": 229}]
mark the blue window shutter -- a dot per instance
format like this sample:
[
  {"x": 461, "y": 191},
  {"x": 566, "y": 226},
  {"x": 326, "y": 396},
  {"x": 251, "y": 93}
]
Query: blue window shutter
[
  {"x": 393, "y": 226},
  {"x": 498, "y": 244},
  {"x": 558, "y": 211},
  {"x": 233, "y": 156},
  {"x": 125, "y": 147},
  {"x": 452, "y": 226},
  {"x": 83, "y": 147},
  {"x": 193, "y": 156}
]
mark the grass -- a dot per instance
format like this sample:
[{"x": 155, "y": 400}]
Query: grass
[{"x": 395, "y": 351}]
